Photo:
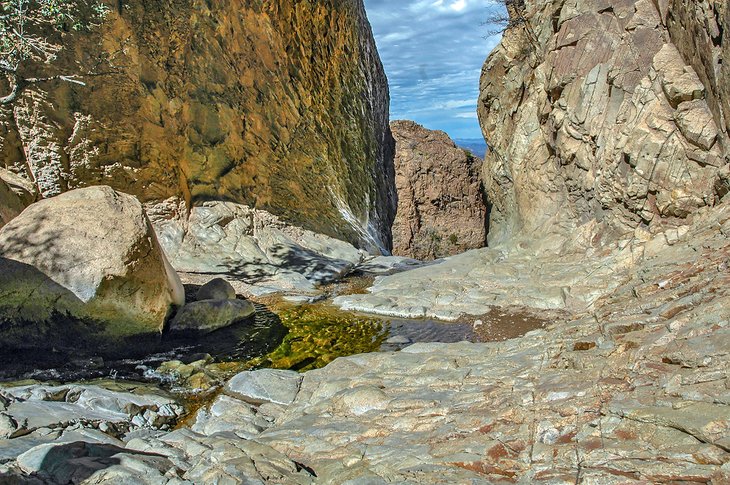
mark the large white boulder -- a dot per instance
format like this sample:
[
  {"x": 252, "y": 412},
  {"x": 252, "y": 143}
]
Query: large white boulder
[{"x": 85, "y": 262}]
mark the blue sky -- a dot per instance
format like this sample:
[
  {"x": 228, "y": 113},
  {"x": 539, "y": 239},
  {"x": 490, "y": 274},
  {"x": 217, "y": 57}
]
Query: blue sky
[{"x": 433, "y": 51}]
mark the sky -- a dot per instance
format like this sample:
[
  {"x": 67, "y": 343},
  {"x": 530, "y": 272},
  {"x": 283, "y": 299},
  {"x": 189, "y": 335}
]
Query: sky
[{"x": 433, "y": 52}]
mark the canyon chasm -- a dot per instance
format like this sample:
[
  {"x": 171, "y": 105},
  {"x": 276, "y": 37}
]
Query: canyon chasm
[{"x": 238, "y": 172}]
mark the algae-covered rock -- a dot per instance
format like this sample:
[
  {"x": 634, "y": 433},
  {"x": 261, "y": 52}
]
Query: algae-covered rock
[
  {"x": 205, "y": 316},
  {"x": 83, "y": 267}
]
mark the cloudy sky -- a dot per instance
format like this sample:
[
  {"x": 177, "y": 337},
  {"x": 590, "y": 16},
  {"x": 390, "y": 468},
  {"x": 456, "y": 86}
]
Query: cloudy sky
[{"x": 433, "y": 51}]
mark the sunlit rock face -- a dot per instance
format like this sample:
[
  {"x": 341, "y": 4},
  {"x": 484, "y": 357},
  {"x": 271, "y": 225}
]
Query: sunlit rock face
[
  {"x": 83, "y": 270},
  {"x": 606, "y": 121},
  {"x": 278, "y": 105},
  {"x": 441, "y": 207}
]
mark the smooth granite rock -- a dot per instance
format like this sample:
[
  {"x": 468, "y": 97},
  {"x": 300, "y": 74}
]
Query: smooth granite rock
[{"x": 84, "y": 266}]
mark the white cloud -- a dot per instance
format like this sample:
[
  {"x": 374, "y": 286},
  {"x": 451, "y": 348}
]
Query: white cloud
[
  {"x": 433, "y": 52},
  {"x": 458, "y": 6}
]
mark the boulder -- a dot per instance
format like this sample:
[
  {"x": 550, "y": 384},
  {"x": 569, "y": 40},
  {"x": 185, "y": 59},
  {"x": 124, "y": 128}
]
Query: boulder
[
  {"x": 216, "y": 289},
  {"x": 21, "y": 186},
  {"x": 265, "y": 385},
  {"x": 206, "y": 316},
  {"x": 83, "y": 267}
]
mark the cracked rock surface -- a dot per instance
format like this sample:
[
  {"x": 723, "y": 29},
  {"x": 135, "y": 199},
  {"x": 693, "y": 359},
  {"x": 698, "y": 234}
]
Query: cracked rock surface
[{"x": 631, "y": 389}]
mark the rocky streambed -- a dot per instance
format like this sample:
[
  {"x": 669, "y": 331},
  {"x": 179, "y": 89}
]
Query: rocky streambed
[
  {"x": 630, "y": 387},
  {"x": 56, "y": 411}
]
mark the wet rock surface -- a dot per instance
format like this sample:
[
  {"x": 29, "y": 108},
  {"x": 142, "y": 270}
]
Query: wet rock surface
[{"x": 205, "y": 316}]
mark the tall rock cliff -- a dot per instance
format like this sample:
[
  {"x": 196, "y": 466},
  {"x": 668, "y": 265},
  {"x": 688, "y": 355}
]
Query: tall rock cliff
[
  {"x": 278, "y": 105},
  {"x": 441, "y": 206},
  {"x": 607, "y": 119}
]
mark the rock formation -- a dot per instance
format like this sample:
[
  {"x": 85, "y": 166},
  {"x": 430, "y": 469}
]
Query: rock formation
[
  {"x": 609, "y": 142},
  {"x": 83, "y": 267},
  {"x": 441, "y": 208},
  {"x": 634, "y": 391},
  {"x": 10, "y": 203},
  {"x": 606, "y": 120},
  {"x": 282, "y": 106},
  {"x": 254, "y": 248},
  {"x": 15, "y": 195}
]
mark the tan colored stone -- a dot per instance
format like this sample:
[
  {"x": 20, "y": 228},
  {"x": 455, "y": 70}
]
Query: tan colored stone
[
  {"x": 10, "y": 204},
  {"x": 92, "y": 255},
  {"x": 696, "y": 124},
  {"x": 441, "y": 207},
  {"x": 583, "y": 126},
  {"x": 250, "y": 103}
]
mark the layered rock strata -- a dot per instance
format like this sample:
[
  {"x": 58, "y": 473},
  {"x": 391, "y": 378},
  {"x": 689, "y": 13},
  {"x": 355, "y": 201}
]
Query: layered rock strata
[
  {"x": 608, "y": 113},
  {"x": 441, "y": 206},
  {"x": 278, "y": 105}
]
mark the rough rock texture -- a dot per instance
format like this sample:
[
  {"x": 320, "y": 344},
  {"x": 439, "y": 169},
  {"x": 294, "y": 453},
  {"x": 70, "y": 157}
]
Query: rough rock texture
[
  {"x": 279, "y": 105},
  {"x": 15, "y": 195},
  {"x": 634, "y": 391},
  {"x": 10, "y": 203},
  {"x": 441, "y": 206},
  {"x": 90, "y": 255},
  {"x": 612, "y": 113},
  {"x": 254, "y": 249}
]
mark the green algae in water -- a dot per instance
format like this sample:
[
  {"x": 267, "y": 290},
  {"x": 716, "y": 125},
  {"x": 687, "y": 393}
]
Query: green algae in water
[{"x": 318, "y": 334}]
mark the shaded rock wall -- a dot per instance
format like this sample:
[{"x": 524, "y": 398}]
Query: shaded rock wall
[
  {"x": 15, "y": 195},
  {"x": 441, "y": 208},
  {"x": 606, "y": 120},
  {"x": 278, "y": 105}
]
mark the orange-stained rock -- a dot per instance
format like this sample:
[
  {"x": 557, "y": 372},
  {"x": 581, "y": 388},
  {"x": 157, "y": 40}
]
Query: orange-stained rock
[{"x": 282, "y": 106}]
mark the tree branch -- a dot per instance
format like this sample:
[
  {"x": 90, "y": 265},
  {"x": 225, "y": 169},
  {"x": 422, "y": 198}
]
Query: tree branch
[{"x": 18, "y": 84}]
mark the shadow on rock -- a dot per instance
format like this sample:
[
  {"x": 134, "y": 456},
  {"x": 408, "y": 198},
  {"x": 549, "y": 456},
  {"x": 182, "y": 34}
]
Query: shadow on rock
[{"x": 75, "y": 462}]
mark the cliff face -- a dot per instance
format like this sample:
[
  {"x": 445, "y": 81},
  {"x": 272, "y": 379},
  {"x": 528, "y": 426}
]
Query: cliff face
[
  {"x": 441, "y": 208},
  {"x": 607, "y": 120},
  {"x": 278, "y": 105}
]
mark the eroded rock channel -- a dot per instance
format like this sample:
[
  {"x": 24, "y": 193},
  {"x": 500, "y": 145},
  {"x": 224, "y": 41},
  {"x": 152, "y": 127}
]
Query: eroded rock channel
[{"x": 588, "y": 343}]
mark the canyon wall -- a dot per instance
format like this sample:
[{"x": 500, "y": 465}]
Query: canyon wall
[
  {"x": 441, "y": 206},
  {"x": 607, "y": 120},
  {"x": 282, "y": 106}
]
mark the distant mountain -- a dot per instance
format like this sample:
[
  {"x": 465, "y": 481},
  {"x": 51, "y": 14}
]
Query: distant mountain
[{"x": 477, "y": 146}]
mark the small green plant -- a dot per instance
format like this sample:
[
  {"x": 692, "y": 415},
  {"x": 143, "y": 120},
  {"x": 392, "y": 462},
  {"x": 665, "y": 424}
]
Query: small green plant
[{"x": 454, "y": 239}]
